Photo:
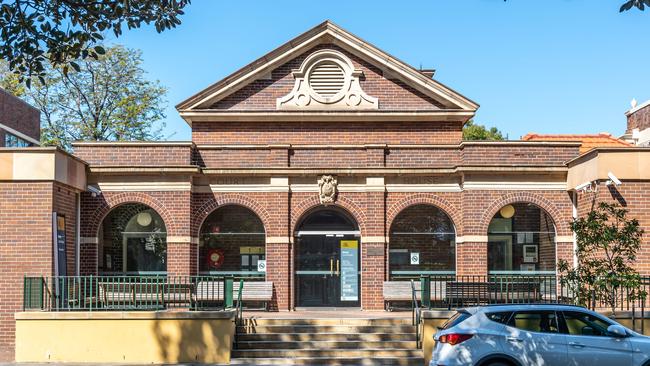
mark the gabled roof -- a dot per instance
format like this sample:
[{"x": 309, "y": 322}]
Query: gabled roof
[
  {"x": 327, "y": 32},
  {"x": 589, "y": 141}
]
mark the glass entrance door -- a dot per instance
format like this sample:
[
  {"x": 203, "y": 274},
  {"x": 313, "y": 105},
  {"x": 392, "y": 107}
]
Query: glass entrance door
[{"x": 327, "y": 271}]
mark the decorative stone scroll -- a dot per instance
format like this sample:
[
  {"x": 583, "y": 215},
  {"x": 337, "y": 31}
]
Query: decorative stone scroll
[
  {"x": 327, "y": 189},
  {"x": 327, "y": 79}
]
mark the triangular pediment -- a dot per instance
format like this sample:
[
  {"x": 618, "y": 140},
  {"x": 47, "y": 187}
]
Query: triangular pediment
[{"x": 328, "y": 69}]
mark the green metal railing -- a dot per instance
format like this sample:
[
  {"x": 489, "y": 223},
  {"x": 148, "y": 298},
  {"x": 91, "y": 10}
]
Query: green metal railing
[{"x": 121, "y": 293}]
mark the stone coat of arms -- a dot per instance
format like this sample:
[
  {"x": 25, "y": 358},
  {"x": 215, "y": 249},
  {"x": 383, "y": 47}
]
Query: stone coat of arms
[{"x": 327, "y": 189}]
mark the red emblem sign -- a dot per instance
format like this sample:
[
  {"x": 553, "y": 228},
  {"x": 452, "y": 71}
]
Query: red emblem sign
[{"x": 215, "y": 258}]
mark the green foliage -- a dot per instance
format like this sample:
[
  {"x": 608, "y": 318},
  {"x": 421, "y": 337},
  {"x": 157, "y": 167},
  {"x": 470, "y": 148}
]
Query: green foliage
[
  {"x": 639, "y": 4},
  {"x": 37, "y": 32},
  {"x": 607, "y": 243},
  {"x": 107, "y": 99},
  {"x": 473, "y": 131}
]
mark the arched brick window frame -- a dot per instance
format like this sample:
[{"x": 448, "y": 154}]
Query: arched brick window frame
[
  {"x": 348, "y": 205},
  {"x": 425, "y": 199},
  {"x": 111, "y": 201},
  {"x": 559, "y": 219},
  {"x": 201, "y": 214}
]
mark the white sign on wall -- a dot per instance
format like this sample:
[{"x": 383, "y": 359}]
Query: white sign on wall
[
  {"x": 261, "y": 265},
  {"x": 415, "y": 258}
]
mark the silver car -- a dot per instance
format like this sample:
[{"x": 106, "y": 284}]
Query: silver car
[{"x": 523, "y": 335}]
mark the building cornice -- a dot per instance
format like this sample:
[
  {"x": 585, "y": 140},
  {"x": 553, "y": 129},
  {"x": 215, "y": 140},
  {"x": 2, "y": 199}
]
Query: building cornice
[{"x": 326, "y": 116}]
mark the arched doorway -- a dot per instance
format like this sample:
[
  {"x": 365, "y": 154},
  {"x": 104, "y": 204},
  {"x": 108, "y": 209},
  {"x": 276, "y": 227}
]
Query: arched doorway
[
  {"x": 327, "y": 260},
  {"x": 132, "y": 240},
  {"x": 232, "y": 242},
  {"x": 521, "y": 240}
]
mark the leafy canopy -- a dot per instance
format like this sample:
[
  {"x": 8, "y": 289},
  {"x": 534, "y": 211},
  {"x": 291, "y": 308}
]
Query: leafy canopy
[
  {"x": 108, "y": 99},
  {"x": 607, "y": 244},
  {"x": 36, "y": 32},
  {"x": 473, "y": 131}
]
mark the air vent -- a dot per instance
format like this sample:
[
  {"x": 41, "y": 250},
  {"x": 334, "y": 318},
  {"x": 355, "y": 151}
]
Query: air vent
[{"x": 327, "y": 79}]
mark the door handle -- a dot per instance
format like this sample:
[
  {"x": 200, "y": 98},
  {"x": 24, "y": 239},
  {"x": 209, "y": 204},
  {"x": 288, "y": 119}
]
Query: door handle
[
  {"x": 331, "y": 266},
  {"x": 514, "y": 339},
  {"x": 576, "y": 344},
  {"x": 338, "y": 266}
]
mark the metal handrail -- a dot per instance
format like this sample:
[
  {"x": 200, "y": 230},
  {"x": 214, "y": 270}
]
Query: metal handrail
[{"x": 416, "y": 319}]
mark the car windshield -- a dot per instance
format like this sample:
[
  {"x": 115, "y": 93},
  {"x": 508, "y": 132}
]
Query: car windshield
[{"x": 456, "y": 319}]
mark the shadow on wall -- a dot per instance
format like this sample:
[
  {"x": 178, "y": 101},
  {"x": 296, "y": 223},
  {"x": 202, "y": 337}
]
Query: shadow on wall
[
  {"x": 196, "y": 340},
  {"x": 616, "y": 194}
]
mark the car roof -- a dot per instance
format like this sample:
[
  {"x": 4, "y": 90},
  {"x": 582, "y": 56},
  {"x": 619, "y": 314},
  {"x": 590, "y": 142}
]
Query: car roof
[{"x": 521, "y": 307}]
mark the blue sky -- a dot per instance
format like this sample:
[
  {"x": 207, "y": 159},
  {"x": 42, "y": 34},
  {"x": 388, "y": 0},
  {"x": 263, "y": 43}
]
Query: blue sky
[{"x": 567, "y": 66}]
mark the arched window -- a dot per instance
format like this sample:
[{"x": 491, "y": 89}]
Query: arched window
[
  {"x": 521, "y": 239},
  {"x": 232, "y": 242},
  {"x": 132, "y": 240},
  {"x": 422, "y": 241}
]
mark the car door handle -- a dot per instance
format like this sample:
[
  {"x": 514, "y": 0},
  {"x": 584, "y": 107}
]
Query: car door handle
[
  {"x": 576, "y": 344},
  {"x": 514, "y": 339}
]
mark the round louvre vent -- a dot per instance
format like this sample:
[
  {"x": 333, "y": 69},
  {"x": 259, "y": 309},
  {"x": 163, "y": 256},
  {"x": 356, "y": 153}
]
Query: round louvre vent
[{"x": 327, "y": 79}]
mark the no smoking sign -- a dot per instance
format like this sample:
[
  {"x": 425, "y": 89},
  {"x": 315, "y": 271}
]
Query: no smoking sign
[{"x": 415, "y": 258}]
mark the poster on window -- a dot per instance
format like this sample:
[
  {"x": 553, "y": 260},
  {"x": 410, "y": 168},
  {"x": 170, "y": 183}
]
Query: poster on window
[
  {"x": 58, "y": 238},
  {"x": 349, "y": 270}
]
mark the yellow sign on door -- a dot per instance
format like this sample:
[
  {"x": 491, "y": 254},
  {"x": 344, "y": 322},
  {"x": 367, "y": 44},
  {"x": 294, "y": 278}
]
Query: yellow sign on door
[{"x": 349, "y": 244}]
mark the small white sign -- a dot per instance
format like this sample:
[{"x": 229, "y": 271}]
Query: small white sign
[
  {"x": 261, "y": 265},
  {"x": 415, "y": 258}
]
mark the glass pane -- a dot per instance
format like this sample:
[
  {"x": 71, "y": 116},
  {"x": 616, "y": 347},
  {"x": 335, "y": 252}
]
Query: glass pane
[
  {"x": 522, "y": 241},
  {"x": 230, "y": 236},
  {"x": 328, "y": 220},
  {"x": 579, "y": 323},
  {"x": 535, "y": 321},
  {"x": 422, "y": 241},
  {"x": 132, "y": 238}
]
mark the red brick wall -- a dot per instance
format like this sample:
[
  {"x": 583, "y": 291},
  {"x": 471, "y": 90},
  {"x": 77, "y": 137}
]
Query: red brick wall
[
  {"x": 639, "y": 119},
  {"x": 262, "y": 94},
  {"x": 517, "y": 154},
  {"x": 26, "y": 244},
  {"x": 141, "y": 154},
  {"x": 19, "y": 115},
  {"x": 326, "y": 133},
  {"x": 633, "y": 196}
]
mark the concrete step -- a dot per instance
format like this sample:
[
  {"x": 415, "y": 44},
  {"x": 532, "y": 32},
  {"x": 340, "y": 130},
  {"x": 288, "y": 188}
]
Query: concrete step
[
  {"x": 346, "y": 353},
  {"x": 331, "y": 361},
  {"x": 312, "y": 337},
  {"x": 327, "y": 321},
  {"x": 325, "y": 329},
  {"x": 311, "y": 345}
]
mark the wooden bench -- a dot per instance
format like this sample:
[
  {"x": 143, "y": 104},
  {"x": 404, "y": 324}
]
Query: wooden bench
[
  {"x": 460, "y": 293},
  {"x": 144, "y": 295},
  {"x": 507, "y": 292},
  {"x": 255, "y": 291},
  {"x": 401, "y": 291},
  {"x": 209, "y": 292}
]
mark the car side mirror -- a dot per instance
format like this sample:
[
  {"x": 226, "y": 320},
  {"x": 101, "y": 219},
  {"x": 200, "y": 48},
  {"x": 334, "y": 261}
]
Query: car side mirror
[{"x": 616, "y": 330}]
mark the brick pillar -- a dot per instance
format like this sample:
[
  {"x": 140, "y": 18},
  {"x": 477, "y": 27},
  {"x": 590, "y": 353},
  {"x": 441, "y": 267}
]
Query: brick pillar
[
  {"x": 278, "y": 271},
  {"x": 88, "y": 256},
  {"x": 181, "y": 256},
  {"x": 471, "y": 257},
  {"x": 373, "y": 268},
  {"x": 373, "y": 243}
]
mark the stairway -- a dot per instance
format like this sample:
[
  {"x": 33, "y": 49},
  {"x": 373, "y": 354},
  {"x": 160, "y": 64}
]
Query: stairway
[{"x": 348, "y": 341}]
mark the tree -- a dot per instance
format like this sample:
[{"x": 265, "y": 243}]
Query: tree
[
  {"x": 472, "y": 131},
  {"x": 629, "y": 4},
  {"x": 64, "y": 31},
  {"x": 607, "y": 243},
  {"x": 108, "y": 99},
  {"x": 639, "y": 4}
]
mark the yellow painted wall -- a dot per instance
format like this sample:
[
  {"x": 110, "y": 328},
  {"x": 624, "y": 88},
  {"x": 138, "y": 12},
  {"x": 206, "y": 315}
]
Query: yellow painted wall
[{"x": 131, "y": 340}]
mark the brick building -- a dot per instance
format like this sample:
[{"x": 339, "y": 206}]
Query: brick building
[
  {"x": 326, "y": 167},
  {"x": 20, "y": 124}
]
